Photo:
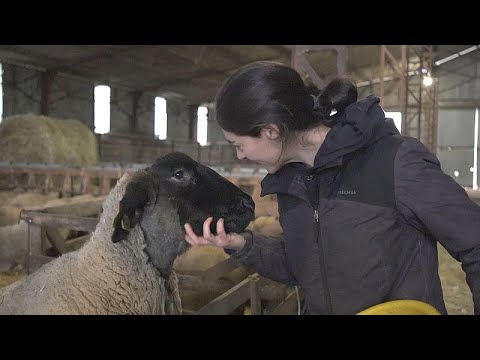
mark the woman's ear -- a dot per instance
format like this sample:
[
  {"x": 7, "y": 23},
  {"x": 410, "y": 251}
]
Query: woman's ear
[{"x": 271, "y": 131}]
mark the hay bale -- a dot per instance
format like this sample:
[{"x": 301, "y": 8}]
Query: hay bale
[{"x": 41, "y": 139}]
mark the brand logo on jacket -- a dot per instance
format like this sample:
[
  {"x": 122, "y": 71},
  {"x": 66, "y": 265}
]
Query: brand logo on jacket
[{"x": 346, "y": 192}]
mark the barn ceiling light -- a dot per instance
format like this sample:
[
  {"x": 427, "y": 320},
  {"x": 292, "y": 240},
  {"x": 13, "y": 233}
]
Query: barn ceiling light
[
  {"x": 454, "y": 56},
  {"x": 427, "y": 80}
]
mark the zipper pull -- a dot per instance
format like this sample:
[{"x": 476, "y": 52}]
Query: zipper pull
[{"x": 315, "y": 215}]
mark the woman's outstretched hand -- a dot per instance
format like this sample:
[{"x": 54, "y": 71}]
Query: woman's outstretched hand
[{"x": 221, "y": 239}]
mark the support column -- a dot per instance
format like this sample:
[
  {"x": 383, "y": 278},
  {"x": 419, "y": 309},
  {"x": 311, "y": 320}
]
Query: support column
[
  {"x": 46, "y": 85},
  {"x": 192, "y": 122},
  {"x": 300, "y": 63},
  {"x": 417, "y": 101},
  {"x": 134, "y": 118}
]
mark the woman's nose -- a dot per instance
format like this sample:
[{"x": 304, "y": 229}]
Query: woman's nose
[{"x": 240, "y": 155}]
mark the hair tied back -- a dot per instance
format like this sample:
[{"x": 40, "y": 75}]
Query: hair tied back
[{"x": 316, "y": 102}]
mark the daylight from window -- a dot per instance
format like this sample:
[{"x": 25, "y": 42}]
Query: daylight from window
[
  {"x": 160, "y": 127},
  {"x": 397, "y": 118},
  {"x": 102, "y": 109},
  {"x": 475, "y": 152},
  {"x": 202, "y": 125},
  {"x": 1, "y": 92}
]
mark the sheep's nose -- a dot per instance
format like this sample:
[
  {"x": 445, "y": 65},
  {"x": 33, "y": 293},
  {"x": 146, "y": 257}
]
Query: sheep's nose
[{"x": 247, "y": 204}]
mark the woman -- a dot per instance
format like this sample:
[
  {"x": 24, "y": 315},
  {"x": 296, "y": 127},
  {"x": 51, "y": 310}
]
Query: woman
[{"x": 361, "y": 206}]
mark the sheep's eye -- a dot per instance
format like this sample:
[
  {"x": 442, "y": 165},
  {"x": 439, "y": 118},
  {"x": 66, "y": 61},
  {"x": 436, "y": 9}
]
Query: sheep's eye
[{"x": 179, "y": 175}]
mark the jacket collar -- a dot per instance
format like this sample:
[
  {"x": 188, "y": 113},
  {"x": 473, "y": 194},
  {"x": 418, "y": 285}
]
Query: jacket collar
[
  {"x": 362, "y": 124},
  {"x": 290, "y": 179}
]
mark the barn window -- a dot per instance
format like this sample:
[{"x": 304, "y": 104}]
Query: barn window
[
  {"x": 202, "y": 125},
  {"x": 102, "y": 109},
  {"x": 397, "y": 118},
  {"x": 160, "y": 127},
  {"x": 475, "y": 152},
  {"x": 1, "y": 92}
]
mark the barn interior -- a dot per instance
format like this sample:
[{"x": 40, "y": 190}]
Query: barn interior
[{"x": 80, "y": 116}]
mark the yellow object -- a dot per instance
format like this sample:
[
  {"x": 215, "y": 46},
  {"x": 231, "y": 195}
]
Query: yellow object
[{"x": 401, "y": 307}]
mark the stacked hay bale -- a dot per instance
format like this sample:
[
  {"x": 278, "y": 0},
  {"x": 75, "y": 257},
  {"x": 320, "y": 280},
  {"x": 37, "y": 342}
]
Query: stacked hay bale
[
  {"x": 34, "y": 138},
  {"x": 37, "y": 139}
]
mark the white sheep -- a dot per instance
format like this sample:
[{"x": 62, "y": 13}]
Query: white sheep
[{"x": 131, "y": 272}]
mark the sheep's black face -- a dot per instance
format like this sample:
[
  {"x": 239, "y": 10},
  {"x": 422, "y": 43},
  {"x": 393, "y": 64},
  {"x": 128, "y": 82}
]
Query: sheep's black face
[
  {"x": 195, "y": 190},
  {"x": 201, "y": 192}
]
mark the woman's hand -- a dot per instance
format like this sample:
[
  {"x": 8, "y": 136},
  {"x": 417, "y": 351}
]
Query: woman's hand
[{"x": 222, "y": 239}]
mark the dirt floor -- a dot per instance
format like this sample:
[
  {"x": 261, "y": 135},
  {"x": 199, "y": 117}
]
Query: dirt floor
[
  {"x": 456, "y": 292},
  {"x": 458, "y": 298}
]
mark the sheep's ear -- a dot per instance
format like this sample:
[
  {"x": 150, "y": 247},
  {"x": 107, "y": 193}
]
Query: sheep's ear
[
  {"x": 126, "y": 219},
  {"x": 139, "y": 193},
  {"x": 119, "y": 233}
]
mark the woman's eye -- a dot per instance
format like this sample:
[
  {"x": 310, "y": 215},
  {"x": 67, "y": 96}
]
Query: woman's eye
[{"x": 179, "y": 174}]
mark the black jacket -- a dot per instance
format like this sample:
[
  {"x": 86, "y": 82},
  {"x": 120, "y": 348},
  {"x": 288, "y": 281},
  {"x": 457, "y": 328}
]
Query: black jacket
[{"x": 360, "y": 227}]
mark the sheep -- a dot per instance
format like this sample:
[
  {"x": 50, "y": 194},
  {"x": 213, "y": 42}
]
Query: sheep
[{"x": 126, "y": 266}]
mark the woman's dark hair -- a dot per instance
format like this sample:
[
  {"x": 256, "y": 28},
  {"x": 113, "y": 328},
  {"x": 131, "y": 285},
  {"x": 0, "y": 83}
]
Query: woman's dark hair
[{"x": 266, "y": 92}]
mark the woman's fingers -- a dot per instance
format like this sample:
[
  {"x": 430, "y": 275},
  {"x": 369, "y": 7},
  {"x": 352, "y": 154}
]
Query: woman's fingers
[
  {"x": 208, "y": 238},
  {"x": 206, "y": 228},
  {"x": 221, "y": 227},
  {"x": 194, "y": 239},
  {"x": 222, "y": 237},
  {"x": 190, "y": 236}
]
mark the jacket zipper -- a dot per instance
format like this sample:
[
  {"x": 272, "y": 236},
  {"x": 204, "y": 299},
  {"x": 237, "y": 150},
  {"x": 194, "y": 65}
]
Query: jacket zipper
[{"x": 322, "y": 263}]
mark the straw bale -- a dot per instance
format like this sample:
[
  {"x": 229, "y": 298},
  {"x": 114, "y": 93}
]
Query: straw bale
[{"x": 40, "y": 139}]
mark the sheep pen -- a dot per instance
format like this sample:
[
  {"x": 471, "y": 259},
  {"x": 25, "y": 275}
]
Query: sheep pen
[{"x": 127, "y": 265}]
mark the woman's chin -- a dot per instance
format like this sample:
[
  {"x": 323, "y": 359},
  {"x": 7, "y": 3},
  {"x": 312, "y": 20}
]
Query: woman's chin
[{"x": 271, "y": 169}]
